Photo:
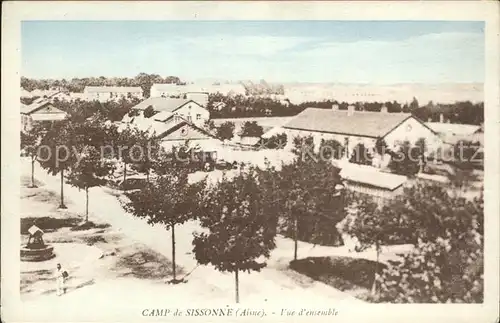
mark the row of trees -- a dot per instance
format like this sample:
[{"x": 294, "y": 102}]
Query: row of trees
[
  {"x": 86, "y": 153},
  {"x": 240, "y": 106},
  {"x": 143, "y": 80}
]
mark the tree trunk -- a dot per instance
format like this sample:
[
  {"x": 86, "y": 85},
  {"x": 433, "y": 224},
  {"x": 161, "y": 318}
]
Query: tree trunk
[
  {"x": 374, "y": 286},
  {"x": 236, "y": 280},
  {"x": 33, "y": 172},
  {"x": 86, "y": 204},
  {"x": 295, "y": 236},
  {"x": 62, "y": 206},
  {"x": 124, "y": 173},
  {"x": 147, "y": 176},
  {"x": 173, "y": 250}
]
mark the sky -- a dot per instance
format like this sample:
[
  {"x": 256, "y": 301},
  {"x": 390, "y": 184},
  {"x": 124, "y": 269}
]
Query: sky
[{"x": 380, "y": 52}]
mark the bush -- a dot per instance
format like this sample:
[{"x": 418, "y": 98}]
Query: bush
[{"x": 435, "y": 273}]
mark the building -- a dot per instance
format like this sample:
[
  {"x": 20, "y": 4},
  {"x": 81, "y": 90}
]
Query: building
[
  {"x": 174, "y": 130},
  {"x": 39, "y": 112},
  {"x": 351, "y": 128},
  {"x": 180, "y": 90},
  {"x": 199, "y": 97},
  {"x": 369, "y": 180},
  {"x": 451, "y": 133},
  {"x": 190, "y": 110},
  {"x": 112, "y": 93}
]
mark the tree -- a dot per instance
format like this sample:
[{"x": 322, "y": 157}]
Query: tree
[
  {"x": 414, "y": 104},
  {"x": 307, "y": 192},
  {"x": 361, "y": 155},
  {"x": 146, "y": 152},
  {"x": 58, "y": 154},
  {"x": 371, "y": 226},
  {"x": 169, "y": 200},
  {"x": 90, "y": 170},
  {"x": 30, "y": 143},
  {"x": 226, "y": 131},
  {"x": 447, "y": 263},
  {"x": 149, "y": 112},
  {"x": 331, "y": 149},
  {"x": 127, "y": 147},
  {"x": 240, "y": 228},
  {"x": 406, "y": 160},
  {"x": 251, "y": 129}
]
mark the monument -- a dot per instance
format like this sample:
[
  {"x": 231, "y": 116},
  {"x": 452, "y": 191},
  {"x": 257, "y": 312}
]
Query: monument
[{"x": 36, "y": 249}]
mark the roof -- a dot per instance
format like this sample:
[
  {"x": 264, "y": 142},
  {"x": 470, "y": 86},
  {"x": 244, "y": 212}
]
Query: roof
[
  {"x": 453, "y": 128},
  {"x": 162, "y": 104},
  {"x": 454, "y": 139},
  {"x": 361, "y": 123},
  {"x": 371, "y": 176},
  {"x": 103, "y": 89},
  {"x": 249, "y": 141},
  {"x": 27, "y": 109},
  {"x": 34, "y": 229}
]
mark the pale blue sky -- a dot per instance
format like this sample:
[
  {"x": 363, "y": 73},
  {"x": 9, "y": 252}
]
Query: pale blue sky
[{"x": 277, "y": 51}]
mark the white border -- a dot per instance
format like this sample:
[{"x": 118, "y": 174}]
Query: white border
[{"x": 16, "y": 11}]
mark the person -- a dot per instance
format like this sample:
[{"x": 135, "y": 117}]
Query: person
[{"x": 61, "y": 279}]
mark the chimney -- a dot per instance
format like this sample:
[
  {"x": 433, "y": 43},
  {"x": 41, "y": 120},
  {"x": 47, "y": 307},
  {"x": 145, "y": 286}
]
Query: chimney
[
  {"x": 335, "y": 107},
  {"x": 441, "y": 118},
  {"x": 350, "y": 110},
  {"x": 384, "y": 109}
]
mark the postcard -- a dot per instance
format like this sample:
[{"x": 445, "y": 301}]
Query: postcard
[{"x": 250, "y": 161}]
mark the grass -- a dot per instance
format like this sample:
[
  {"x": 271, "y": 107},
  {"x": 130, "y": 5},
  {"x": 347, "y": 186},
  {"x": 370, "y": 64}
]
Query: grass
[
  {"x": 140, "y": 262},
  {"x": 351, "y": 275},
  {"x": 47, "y": 223}
]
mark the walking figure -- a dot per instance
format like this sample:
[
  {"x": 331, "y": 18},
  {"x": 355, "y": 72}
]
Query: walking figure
[{"x": 61, "y": 276}]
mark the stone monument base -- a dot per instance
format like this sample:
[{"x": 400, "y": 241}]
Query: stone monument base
[{"x": 41, "y": 254}]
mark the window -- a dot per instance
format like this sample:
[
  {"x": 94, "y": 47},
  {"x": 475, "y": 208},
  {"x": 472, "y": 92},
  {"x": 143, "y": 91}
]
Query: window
[
  {"x": 189, "y": 118},
  {"x": 198, "y": 116}
]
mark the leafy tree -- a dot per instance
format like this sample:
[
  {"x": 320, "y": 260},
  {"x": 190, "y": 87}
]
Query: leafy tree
[
  {"x": 406, "y": 160},
  {"x": 447, "y": 263},
  {"x": 370, "y": 226},
  {"x": 226, "y": 131},
  {"x": 169, "y": 200},
  {"x": 467, "y": 154},
  {"x": 331, "y": 149},
  {"x": 251, "y": 129},
  {"x": 361, "y": 155},
  {"x": 414, "y": 104},
  {"x": 127, "y": 147},
  {"x": 304, "y": 149},
  {"x": 58, "y": 154},
  {"x": 210, "y": 126},
  {"x": 308, "y": 191},
  {"x": 30, "y": 143},
  {"x": 240, "y": 228},
  {"x": 381, "y": 147},
  {"x": 89, "y": 171},
  {"x": 146, "y": 152},
  {"x": 149, "y": 112}
]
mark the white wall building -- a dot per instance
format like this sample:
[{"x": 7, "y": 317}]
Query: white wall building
[
  {"x": 190, "y": 110},
  {"x": 175, "y": 90},
  {"x": 111, "y": 93},
  {"x": 351, "y": 128},
  {"x": 39, "y": 112}
]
